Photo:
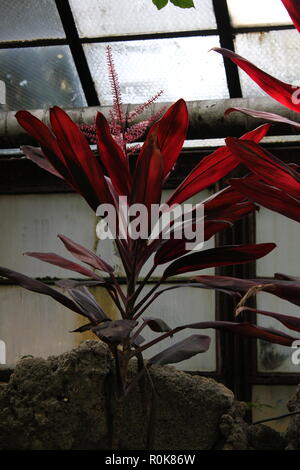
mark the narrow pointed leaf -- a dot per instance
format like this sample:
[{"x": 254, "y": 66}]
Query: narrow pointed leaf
[
  {"x": 292, "y": 323},
  {"x": 87, "y": 302},
  {"x": 182, "y": 350},
  {"x": 212, "y": 168},
  {"x": 265, "y": 165},
  {"x": 269, "y": 117},
  {"x": 53, "y": 258},
  {"x": 85, "y": 255},
  {"x": 171, "y": 131},
  {"x": 112, "y": 157},
  {"x": 221, "y": 256},
  {"x": 36, "y": 155},
  {"x": 156, "y": 324},
  {"x": 280, "y": 91},
  {"x": 38, "y": 286}
]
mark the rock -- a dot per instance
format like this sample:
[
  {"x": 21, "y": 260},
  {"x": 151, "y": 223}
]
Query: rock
[
  {"x": 262, "y": 437},
  {"x": 293, "y": 430},
  {"x": 234, "y": 429},
  {"x": 65, "y": 402}
]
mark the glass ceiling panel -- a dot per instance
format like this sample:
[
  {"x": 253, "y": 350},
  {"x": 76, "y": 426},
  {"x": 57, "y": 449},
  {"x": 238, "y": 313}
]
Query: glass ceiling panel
[
  {"x": 276, "y": 52},
  {"x": 95, "y": 18},
  {"x": 182, "y": 67},
  {"x": 29, "y": 19},
  {"x": 258, "y": 12},
  {"x": 38, "y": 77}
]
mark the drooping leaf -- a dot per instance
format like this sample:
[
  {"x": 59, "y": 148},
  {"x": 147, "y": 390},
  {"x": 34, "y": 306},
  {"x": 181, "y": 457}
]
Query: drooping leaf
[
  {"x": 85, "y": 255},
  {"x": 182, "y": 350},
  {"x": 212, "y": 168},
  {"x": 87, "y": 302},
  {"x": 269, "y": 117},
  {"x": 293, "y": 9},
  {"x": 280, "y": 91},
  {"x": 37, "y": 156},
  {"x": 41, "y": 288},
  {"x": 221, "y": 256},
  {"x": 290, "y": 322}
]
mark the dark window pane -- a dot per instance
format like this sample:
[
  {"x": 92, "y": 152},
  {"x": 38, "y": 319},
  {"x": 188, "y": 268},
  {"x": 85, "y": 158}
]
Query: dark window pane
[
  {"x": 109, "y": 18},
  {"x": 38, "y": 77},
  {"x": 182, "y": 67},
  {"x": 29, "y": 19}
]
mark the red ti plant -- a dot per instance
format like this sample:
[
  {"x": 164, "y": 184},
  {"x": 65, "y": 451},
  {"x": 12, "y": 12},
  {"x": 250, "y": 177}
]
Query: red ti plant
[
  {"x": 271, "y": 183},
  {"x": 65, "y": 152}
]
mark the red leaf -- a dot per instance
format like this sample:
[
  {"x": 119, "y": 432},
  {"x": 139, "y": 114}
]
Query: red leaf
[
  {"x": 85, "y": 255},
  {"x": 280, "y": 91},
  {"x": 38, "y": 286},
  {"x": 171, "y": 131},
  {"x": 269, "y": 168},
  {"x": 293, "y": 9},
  {"x": 182, "y": 350},
  {"x": 39, "y": 158},
  {"x": 212, "y": 168},
  {"x": 290, "y": 322},
  {"x": 113, "y": 157},
  {"x": 62, "y": 262},
  {"x": 272, "y": 117},
  {"x": 221, "y": 256},
  {"x": 268, "y": 196}
]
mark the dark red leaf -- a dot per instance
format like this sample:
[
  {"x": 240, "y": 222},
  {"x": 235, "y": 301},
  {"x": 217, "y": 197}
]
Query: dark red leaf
[
  {"x": 212, "y": 168},
  {"x": 293, "y": 8},
  {"x": 269, "y": 168},
  {"x": 221, "y": 256},
  {"x": 171, "y": 131},
  {"x": 38, "y": 157},
  {"x": 113, "y": 157},
  {"x": 269, "y": 117},
  {"x": 87, "y": 302},
  {"x": 280, "y": 91},
  {"x": 85, "y": 255},
  {"x": 268, "y": 196},
  {"x": 182, "y": 350},
  {"x": 62, "y": 262},
  {"x": 290, "y": 322},
  {"x": 38, "y": 286}
]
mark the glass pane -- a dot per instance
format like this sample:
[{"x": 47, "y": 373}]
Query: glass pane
[
  {"x": 272, "y": 227},
  {"x": 276, "y": 52},
  {"x": 39, "y": 77},
  {"x": 180, "y": 306},
  {"x": 182, "y": 67},
  {"x": 269, "y": 401},
  {"x": 256, "y": 12},
  {"x": 35, "y": 222},
  {"x": 29, "y": 19},
  {"x": 274, "y": 357},
  {"x": 96, "y": 18}
]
